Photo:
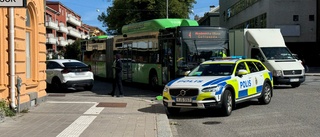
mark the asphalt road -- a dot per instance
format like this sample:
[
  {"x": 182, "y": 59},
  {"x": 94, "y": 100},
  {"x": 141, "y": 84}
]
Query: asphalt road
[{"x": 292, "y": 112}]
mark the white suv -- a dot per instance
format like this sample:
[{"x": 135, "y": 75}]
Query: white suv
[{"x": 66, "y": 73}]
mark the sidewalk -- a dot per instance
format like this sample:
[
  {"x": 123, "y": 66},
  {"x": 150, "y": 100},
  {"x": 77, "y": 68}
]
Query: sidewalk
[
  {"x": 313, "y": 71},
  {"x": 86, "y": 114}
]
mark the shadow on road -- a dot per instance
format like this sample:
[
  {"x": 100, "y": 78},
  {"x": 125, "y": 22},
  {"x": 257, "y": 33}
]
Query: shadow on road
[{"x": 154, "y": 108}]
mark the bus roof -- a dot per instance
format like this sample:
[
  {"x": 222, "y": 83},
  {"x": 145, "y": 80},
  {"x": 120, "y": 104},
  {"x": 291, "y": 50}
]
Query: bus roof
[
  {"x": 99, "y": 37},
  {"x": 156, "y": 25}
]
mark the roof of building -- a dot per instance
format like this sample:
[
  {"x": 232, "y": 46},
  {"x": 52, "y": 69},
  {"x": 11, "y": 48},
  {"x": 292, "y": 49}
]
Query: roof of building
[{"x": 59, "y": 3}]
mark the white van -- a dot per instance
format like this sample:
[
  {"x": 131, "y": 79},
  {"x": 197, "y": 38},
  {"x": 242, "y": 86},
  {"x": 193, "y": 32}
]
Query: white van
[{"x": 268, "y": 46}]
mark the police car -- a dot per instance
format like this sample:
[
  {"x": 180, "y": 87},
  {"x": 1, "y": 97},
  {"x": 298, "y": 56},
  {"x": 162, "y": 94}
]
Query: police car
[{"x": 220, "y": 83}]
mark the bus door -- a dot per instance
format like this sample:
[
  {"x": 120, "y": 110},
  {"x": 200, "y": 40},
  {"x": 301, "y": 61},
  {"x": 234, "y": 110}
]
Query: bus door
[
  {"x": 168, "y": 61},
  {"x": 127, "y": 62}
]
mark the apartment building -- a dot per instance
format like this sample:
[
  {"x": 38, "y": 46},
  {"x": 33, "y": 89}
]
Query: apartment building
[
  {"x": 297, "y": 20},
  {"x": 211, "y": 18},
  {"x": 63, "y": 27},
  {"x": 94, "y": 31},
  {"x": 23, "y": 55}
]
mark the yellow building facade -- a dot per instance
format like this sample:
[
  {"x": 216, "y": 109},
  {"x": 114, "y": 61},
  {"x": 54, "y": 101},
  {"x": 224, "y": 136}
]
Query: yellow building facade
[{"x": 23, "y": 56}]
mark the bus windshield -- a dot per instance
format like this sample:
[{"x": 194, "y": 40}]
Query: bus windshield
[{"x": 197, "y": 51}]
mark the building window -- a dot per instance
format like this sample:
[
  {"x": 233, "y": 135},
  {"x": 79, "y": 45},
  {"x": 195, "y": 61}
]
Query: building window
[
  {"x": 28, "y": 19},
  {"x": 295, "y": 17},
  {"x": 28, "y": 45},
  {"x": 311, "y": 17},
  {"x": 28, "y": 56}
]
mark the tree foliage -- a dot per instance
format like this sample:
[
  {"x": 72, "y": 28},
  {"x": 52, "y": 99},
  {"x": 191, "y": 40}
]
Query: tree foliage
[
  {"x": 73, "y": 51},
  {"x": 123, "y": 12}
]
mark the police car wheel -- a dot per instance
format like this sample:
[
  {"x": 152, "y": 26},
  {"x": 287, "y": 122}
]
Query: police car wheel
[
  {"x": 266, "y": 94},
  {"x": 173, "y": 111},
  {"x": 226, "y": 107}
]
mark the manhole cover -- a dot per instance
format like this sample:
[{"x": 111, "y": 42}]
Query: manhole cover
[
  {"x": 110, "y": 104},
  {"x": 57, "y": 95},
  {"x": 211, "y": 122}
]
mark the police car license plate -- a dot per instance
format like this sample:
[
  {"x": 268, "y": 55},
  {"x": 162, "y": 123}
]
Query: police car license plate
[
  {"x": 183, "y": 99},
  {"x": 294, "y": 80}
]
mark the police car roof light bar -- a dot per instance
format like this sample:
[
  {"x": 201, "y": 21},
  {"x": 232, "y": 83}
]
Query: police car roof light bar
[{"x": 229, "y": 57}]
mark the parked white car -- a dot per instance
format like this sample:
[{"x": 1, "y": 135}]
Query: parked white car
[{"x": 67, "y": 73}]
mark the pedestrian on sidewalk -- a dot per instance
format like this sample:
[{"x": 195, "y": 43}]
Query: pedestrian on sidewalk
[{"x": 117, "y": 75}]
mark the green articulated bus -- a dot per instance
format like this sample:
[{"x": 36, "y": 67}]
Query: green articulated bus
[
  {"x": 96, "y": 55},
  {"x": 159, "y": 50}
]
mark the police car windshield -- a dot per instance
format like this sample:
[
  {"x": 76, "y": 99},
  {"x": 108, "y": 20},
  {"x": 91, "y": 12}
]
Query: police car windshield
[{"x": 223, "y": 69}]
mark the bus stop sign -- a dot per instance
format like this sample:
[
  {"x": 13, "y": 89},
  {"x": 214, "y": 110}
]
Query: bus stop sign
[{"x": 13, "y": 3}]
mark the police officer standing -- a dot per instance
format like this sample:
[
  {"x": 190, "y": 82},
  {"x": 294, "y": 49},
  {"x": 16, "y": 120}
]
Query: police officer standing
[{"x": 117, "y": 74}]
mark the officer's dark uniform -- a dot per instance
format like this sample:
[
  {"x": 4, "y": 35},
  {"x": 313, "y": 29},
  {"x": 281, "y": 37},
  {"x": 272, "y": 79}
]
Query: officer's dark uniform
[{"x": 117, "y": 67}]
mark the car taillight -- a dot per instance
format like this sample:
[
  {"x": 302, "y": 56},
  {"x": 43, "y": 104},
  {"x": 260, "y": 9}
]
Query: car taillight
[{"x": 65, "y": 71}]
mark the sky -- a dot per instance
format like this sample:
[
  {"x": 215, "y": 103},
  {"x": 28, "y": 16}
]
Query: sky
[{"x": 89, "y": 10}]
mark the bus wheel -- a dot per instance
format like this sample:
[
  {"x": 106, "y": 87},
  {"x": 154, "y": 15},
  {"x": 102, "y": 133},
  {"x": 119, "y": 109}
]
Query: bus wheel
[{"x": 153, "y": 80}]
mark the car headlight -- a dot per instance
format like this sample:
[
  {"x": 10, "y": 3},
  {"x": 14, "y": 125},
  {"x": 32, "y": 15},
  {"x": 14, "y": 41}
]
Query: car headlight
[
  {"x": 277, "y": 73},
  {"x": 166, "y": 89},
  {"x": 212, "y": 89}
]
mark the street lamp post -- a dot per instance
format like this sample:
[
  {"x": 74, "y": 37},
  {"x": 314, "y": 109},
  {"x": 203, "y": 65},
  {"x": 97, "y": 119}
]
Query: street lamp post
[{"x": 167, "y": 9}]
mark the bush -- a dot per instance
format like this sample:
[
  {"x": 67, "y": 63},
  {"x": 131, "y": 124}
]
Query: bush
[{"x": 6, "y": 109}]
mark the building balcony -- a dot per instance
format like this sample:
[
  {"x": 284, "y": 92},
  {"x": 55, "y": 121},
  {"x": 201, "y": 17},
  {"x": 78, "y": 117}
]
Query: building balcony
[
  {"x": 74, "y": 32},
  {"x": 52, "y": 25},
  {"x": 73, "y": 20},
  {"x": 63, "y": 42},
  {"x": 51, "y": 39},
  {"x": 84, "y": 36},
  {"x": 70, "y": 41},
  {"x": 63, "y": 28}
]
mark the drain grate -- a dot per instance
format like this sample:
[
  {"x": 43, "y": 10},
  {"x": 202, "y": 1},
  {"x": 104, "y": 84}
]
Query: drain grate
[
  {"x": 111, "y": 104},
  {"x": 211, "y": 122},
  {"x": 57, "y": 95}
]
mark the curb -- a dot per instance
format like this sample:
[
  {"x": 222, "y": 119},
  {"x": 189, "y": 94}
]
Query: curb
[
  {"x": 163, "y": 126},
  {"x": 312, "y": 74}
]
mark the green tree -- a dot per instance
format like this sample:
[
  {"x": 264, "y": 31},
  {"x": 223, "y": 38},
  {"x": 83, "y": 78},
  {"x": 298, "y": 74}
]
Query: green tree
[
  {"x": 73, "y": 51},
  {"x": 124, "y": 12}
]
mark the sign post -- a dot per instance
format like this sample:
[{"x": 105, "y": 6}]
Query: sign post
[{"x": 11, "y": 4}]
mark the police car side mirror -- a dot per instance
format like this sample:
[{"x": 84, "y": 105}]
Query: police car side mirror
[{"x": 242, "y": 72}]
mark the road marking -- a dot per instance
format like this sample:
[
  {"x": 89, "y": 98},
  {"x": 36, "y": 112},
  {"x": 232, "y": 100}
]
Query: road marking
[
  {"x": 77, "y": 127},
  {"x": 80, "y": 124},
  {"x": 70, "y": 102}
]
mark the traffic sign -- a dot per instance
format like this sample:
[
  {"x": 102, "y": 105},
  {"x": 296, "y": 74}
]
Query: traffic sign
[{"x": 13, "y": 3}]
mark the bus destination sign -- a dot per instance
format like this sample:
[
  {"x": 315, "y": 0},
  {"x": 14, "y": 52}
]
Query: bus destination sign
[{"x": 203, "y": 34}]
